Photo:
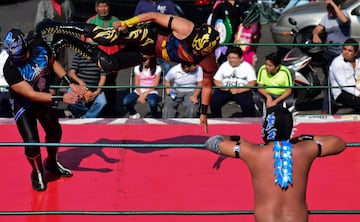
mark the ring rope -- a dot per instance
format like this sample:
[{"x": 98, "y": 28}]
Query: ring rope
[
  {"x": 239, "y": 212},
  {"x": 199, "y": 87},
  {"x": 126, "y": 145},
  {"x": 274, "y": 44}
]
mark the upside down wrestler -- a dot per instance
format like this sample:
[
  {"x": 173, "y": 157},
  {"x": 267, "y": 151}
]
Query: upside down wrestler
[{"x": 169, "y": 37}]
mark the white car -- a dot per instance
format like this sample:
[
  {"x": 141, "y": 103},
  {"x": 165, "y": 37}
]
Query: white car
[{"x": 307, "y": 17}]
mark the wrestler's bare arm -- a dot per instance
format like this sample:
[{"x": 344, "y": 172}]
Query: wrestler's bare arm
[
  {"x": 331, "y": 145},
  {"x": 209, "y": 66},
  {"x": 321, "y": 145}
]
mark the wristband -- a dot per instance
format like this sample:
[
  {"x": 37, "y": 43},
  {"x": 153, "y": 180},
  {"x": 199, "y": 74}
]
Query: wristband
[
  {"x": 235, "y": 138},
  {"x": 57, "y": 98},
  {"x": 131, "y": 21},
  {"x": 203, "y": 109},
  {"x": 66, "y": 79},
  {"x": 237, "y": 149},
  {"x": 306, "y": 137},
  {"x": 319, "y": 144}
]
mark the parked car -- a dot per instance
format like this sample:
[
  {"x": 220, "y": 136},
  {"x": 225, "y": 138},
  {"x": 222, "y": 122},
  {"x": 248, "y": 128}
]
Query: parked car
[
  {"x": 194, "y": 10},
  {"x": 4, "y": 2},
  {"x": 308, "y": 16}
]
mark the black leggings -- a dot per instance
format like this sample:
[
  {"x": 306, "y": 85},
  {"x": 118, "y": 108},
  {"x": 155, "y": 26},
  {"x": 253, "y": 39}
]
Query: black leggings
[
  {"x": 348, "y": 100},
  {"x": 27, "y": 127}
]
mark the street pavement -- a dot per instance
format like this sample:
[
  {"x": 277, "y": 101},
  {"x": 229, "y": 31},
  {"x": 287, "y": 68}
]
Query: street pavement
[{"x": 22, "y": 14}]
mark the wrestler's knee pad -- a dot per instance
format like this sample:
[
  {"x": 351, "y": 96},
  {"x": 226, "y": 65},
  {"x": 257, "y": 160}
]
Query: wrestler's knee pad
[
  {"x": 108, "y": 63},
  {"x": 48, "y": 26},
  {"x": 120, "y": 60},
  {"x": 213, "y": 142}
]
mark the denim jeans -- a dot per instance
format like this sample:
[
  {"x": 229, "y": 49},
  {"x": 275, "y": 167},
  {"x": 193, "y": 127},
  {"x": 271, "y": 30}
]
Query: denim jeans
[
  {"x": 152, "y": 99},
  {"x": 80, "y": 109}
]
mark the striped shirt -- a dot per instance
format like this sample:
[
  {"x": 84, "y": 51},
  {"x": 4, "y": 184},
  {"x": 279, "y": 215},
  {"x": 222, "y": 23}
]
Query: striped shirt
[{"x": 87, "y": 70}]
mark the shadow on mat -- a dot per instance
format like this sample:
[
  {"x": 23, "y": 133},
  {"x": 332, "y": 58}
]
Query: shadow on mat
[
  {"x": 188, "y": 139},
  {"x": 73, "y": 157}
]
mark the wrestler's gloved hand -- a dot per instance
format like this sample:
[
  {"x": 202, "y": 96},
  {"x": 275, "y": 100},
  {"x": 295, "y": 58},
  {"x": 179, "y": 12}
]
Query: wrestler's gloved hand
[{"x": 213, "y": 142}]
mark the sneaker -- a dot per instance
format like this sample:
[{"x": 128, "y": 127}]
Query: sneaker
[{"x": 135, "y": 116}]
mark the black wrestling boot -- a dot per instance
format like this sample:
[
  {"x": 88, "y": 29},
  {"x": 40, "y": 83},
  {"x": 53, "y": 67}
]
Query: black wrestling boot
[
  {"x": 107, "y": 62},
  {"x": 57, "y": 168},
  {"x": 100, "y": 35},
  {"x": 77, "y": 29},
  {"x": 87, "y": 50},
  {"x": 37, "y": 175}
]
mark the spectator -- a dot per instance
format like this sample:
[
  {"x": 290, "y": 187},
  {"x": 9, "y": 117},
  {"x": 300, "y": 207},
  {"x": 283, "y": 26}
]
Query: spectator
[
  {"x": 232, "y": 10},
  {"x": 336, "y": 24},
  {"x": 60, "y": 11},
  {"x": 249, "y": 31},
  {"x": 104, "y": 19},
  {"x": 279, "y": 168},
  {"x": 183, "y": 75},
  {"x": 86, "y": 73},
  {"x": 146, "y": 74},
  {"x": 272, "y": 73},
  {"x": 344, "y": 74},
  {"x": 27, "y": 71},
  {"x": 5, "y": 106},
  {"x": 231, "y": 74},
  {"x": 162, "y": 6}
]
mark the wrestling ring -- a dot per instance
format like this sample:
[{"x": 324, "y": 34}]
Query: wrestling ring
[{"x": 158, "y": 170}]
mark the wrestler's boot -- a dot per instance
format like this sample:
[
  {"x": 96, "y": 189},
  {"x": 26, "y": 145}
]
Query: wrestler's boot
[
  {"x": 54, "y": 166},
  {"x": 87, "y": 50},
  {"x": 37, "y": 175},
  {"x": 109, "y": 63},
  {"x": 48, "y": 26},
  {"x": 100, "y": 35}
]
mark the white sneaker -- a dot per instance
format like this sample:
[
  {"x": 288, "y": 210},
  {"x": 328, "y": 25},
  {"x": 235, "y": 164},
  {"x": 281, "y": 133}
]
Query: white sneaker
[{"x": 135, "y": 116}]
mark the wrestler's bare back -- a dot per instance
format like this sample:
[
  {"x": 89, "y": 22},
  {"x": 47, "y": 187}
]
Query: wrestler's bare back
[{"x": 273, "y": 204}]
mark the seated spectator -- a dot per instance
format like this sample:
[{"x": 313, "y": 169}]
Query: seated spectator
[
  {"x": 87, "y": 73},
  {"x": 183, "y": 75},
  {"x": 344, "y": 74},
  {"x": 146, "y": 74},
  {"x": 5, "y": 107},
  {"x": 234, "y": 73},
  {"x": 272, "y": 73}
]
